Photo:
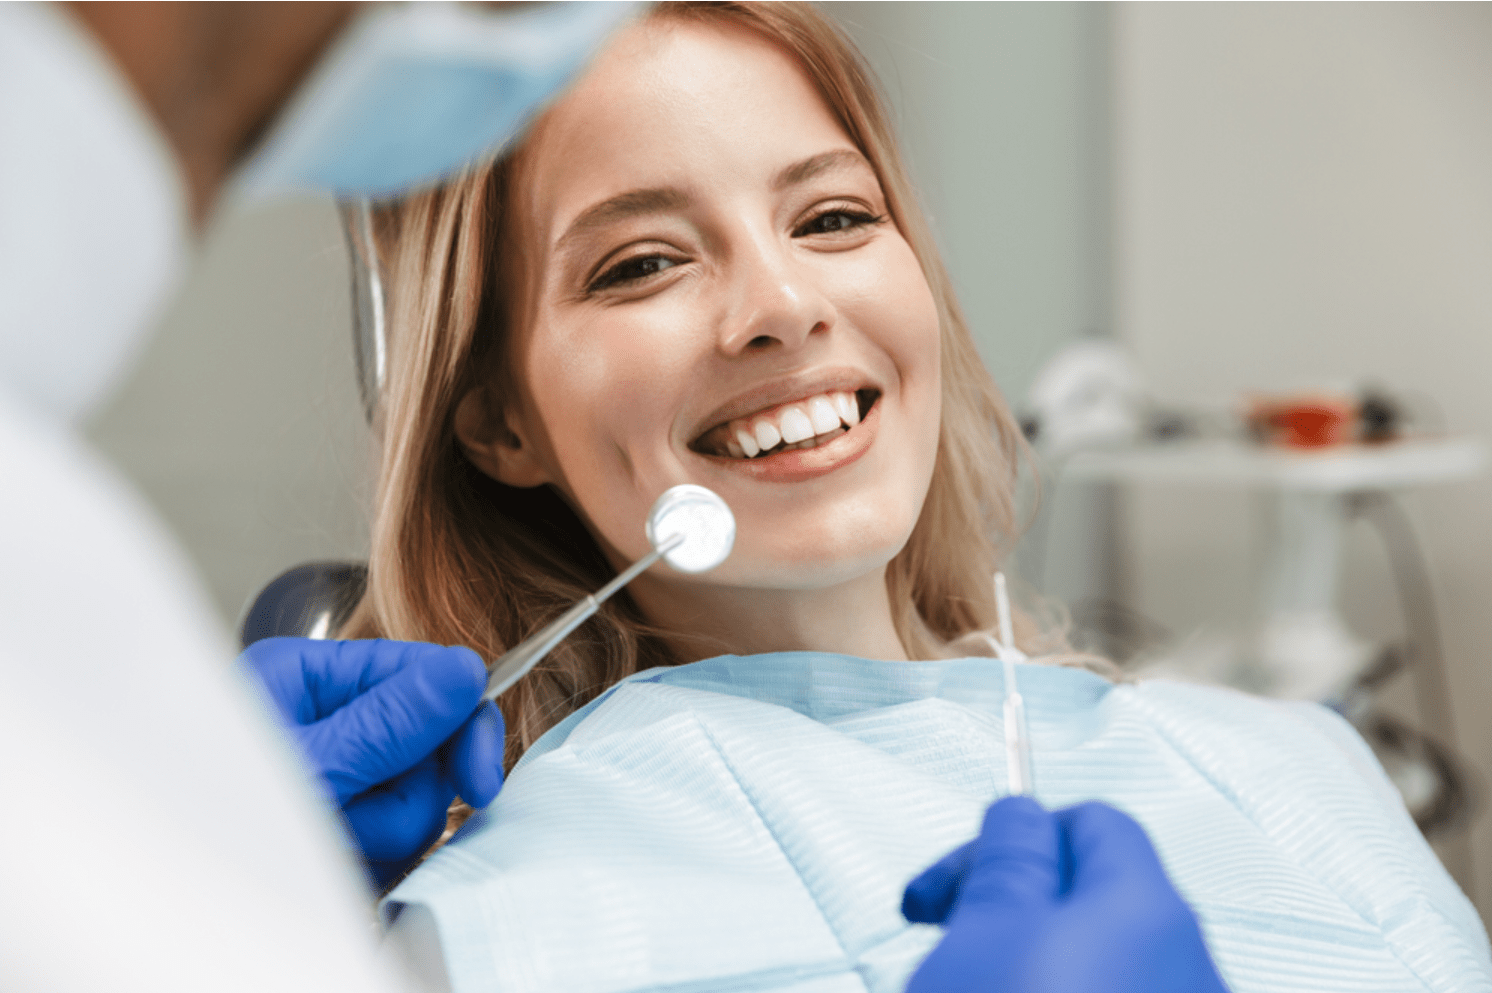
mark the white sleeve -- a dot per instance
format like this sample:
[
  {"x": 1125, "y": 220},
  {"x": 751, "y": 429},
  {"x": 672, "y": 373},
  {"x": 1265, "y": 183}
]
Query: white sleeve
[
  {"x": 413, "y": 941},
  {"x": 158, "y": 833}
]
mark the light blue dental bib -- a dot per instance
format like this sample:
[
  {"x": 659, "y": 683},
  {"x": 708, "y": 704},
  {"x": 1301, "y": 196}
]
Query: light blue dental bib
[{"x": 749, "y": 823}]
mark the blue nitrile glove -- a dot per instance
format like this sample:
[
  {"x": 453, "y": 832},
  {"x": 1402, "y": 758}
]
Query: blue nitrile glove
[
  {"x": 1074, "y": 901},
  {"x": 393, "y": 729}
]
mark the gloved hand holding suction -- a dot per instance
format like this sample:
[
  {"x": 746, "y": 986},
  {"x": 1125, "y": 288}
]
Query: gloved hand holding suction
[
  {"x": 389, "y": 726},
  {"x": 1074, "y": 901}
]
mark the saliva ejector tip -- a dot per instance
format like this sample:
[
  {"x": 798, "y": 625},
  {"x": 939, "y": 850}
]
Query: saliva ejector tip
[{"x": 1017, "y": 734}]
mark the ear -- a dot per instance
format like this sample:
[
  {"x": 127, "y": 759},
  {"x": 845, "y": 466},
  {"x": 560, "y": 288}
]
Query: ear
[{"x": 488, "y": 439}]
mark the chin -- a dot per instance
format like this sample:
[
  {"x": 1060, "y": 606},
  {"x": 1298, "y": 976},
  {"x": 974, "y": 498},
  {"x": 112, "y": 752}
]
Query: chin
[
  {"x": 814, "y": 561},
  {"x": 809, "y": 543}
]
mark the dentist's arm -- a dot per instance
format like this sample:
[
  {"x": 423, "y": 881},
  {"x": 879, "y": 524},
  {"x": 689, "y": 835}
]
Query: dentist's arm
[
  {"x": 1072, "y": 901},
  {"x": 393, "y": 729}
]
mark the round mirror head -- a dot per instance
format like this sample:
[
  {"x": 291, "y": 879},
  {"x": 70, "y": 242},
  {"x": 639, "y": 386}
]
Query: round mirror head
[{"x": 706, "y": 523}]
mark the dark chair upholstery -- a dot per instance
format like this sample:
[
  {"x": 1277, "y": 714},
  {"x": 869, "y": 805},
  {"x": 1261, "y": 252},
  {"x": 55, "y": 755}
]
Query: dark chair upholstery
[{"x": 308, "y": 601}]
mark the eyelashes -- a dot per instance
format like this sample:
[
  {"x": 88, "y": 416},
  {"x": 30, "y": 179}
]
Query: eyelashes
[
  {"x": 631, "y": 270},
  {"x": 838, "y": 220},
  {"x": 835, "y": 222}
]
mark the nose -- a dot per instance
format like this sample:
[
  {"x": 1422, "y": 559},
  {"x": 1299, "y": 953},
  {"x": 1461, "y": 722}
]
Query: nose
[{"x": 775, "y": 300}]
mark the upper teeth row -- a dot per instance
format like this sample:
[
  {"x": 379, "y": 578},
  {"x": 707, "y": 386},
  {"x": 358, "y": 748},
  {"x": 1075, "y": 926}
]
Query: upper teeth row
[{"x": 791, "y": 423}]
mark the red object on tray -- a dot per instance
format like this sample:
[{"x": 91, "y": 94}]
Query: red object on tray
[{"x": 1316, "y": 420}]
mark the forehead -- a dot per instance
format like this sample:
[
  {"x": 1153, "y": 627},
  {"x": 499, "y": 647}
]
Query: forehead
[{"x": 699, "y": 108}]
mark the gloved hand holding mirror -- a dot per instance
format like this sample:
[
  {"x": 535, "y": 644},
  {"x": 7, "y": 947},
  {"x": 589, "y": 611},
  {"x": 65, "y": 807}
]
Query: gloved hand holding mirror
[
  {"x": 395, "y": 729},
  {"x": 398, "y": 730}
]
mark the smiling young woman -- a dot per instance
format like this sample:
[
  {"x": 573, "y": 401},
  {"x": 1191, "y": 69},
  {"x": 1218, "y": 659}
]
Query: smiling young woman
[
  {"x": 697, "y": 265},
  {"x": 705, "y": 264}
]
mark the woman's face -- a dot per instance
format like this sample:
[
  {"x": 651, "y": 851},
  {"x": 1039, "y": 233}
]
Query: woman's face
[{"x": 713, "y": 275}]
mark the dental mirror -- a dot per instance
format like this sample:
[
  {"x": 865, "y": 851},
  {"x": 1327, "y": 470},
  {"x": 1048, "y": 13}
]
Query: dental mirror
[
  {"x": 689, "y": 527},
  {"x": 708, "y": 527}
]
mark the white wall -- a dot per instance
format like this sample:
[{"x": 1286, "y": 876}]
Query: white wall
[
  {"x": 1002, "y": 111},
  {"x": 241, "y": 421},
  {"x": 1304, "y": 193}
]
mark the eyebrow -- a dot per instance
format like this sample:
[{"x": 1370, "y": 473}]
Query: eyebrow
[
  {"x": 801, "y": 172},
  {"x": 630, "y": 204},
  {"x": 635, "y": 203}
]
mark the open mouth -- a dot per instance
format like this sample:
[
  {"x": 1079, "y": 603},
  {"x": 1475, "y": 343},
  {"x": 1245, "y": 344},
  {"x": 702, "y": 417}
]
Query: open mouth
[{"x": 806, "y": 423}]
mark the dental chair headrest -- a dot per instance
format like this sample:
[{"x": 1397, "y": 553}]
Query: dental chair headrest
[{"x": 309, "y": 601}]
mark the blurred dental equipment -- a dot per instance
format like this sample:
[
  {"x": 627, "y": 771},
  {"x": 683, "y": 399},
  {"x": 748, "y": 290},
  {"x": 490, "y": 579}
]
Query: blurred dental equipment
[
  {"x": 1017, "y": 734},
  {"x": 1319, "y": 458},
  {"x": 413, "y": 91},
  {"x": 1089, "y": 394},
  {"x": 1299, "y": 646},
  {"x": 689, "y": 527},
  {"x": 369, "y": 328}
]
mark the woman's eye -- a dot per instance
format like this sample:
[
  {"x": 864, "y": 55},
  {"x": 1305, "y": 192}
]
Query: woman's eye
[
  {"x": 631, "y": 270},
  {"x": 835, "y": 221}
]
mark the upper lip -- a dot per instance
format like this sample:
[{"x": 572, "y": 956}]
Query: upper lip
[{"x": 799, "y": 386}]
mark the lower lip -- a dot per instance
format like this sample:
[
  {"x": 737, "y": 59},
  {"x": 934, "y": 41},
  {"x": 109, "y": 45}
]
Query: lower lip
[{"x": 800, "y": 464}]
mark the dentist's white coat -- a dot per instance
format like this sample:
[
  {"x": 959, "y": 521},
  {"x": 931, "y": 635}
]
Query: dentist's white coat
[{"x": 151, "y": 818}]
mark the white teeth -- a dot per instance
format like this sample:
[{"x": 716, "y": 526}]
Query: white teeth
[
  {"x": 805, "y": 424},
  {"x": 795, "y": 425},
  {"x": 823, "y": 415},
  {"x": 767, "y": 435},
  {"x": 848, "y": 407}
]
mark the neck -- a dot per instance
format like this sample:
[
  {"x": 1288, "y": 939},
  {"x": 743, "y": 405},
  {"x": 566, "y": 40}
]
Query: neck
[{"x": 852, "y": 618}]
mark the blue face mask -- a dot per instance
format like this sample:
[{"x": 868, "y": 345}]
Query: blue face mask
[{"x": 413, "y": 91}]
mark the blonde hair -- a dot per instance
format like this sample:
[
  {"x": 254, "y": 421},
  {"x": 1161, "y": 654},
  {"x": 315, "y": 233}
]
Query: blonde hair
[{"x": 458, "y": 558}]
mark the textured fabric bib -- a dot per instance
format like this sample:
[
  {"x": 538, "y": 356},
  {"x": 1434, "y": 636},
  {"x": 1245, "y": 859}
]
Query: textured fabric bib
[{"x": 749, "y": 823}]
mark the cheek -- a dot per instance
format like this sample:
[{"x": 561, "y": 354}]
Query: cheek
[
  {"x": 608, "y": 381},
  {"x": 910, "y": 332},
  {"x": 601, "y": 392},
  {"x": 892, "y": 302}
]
